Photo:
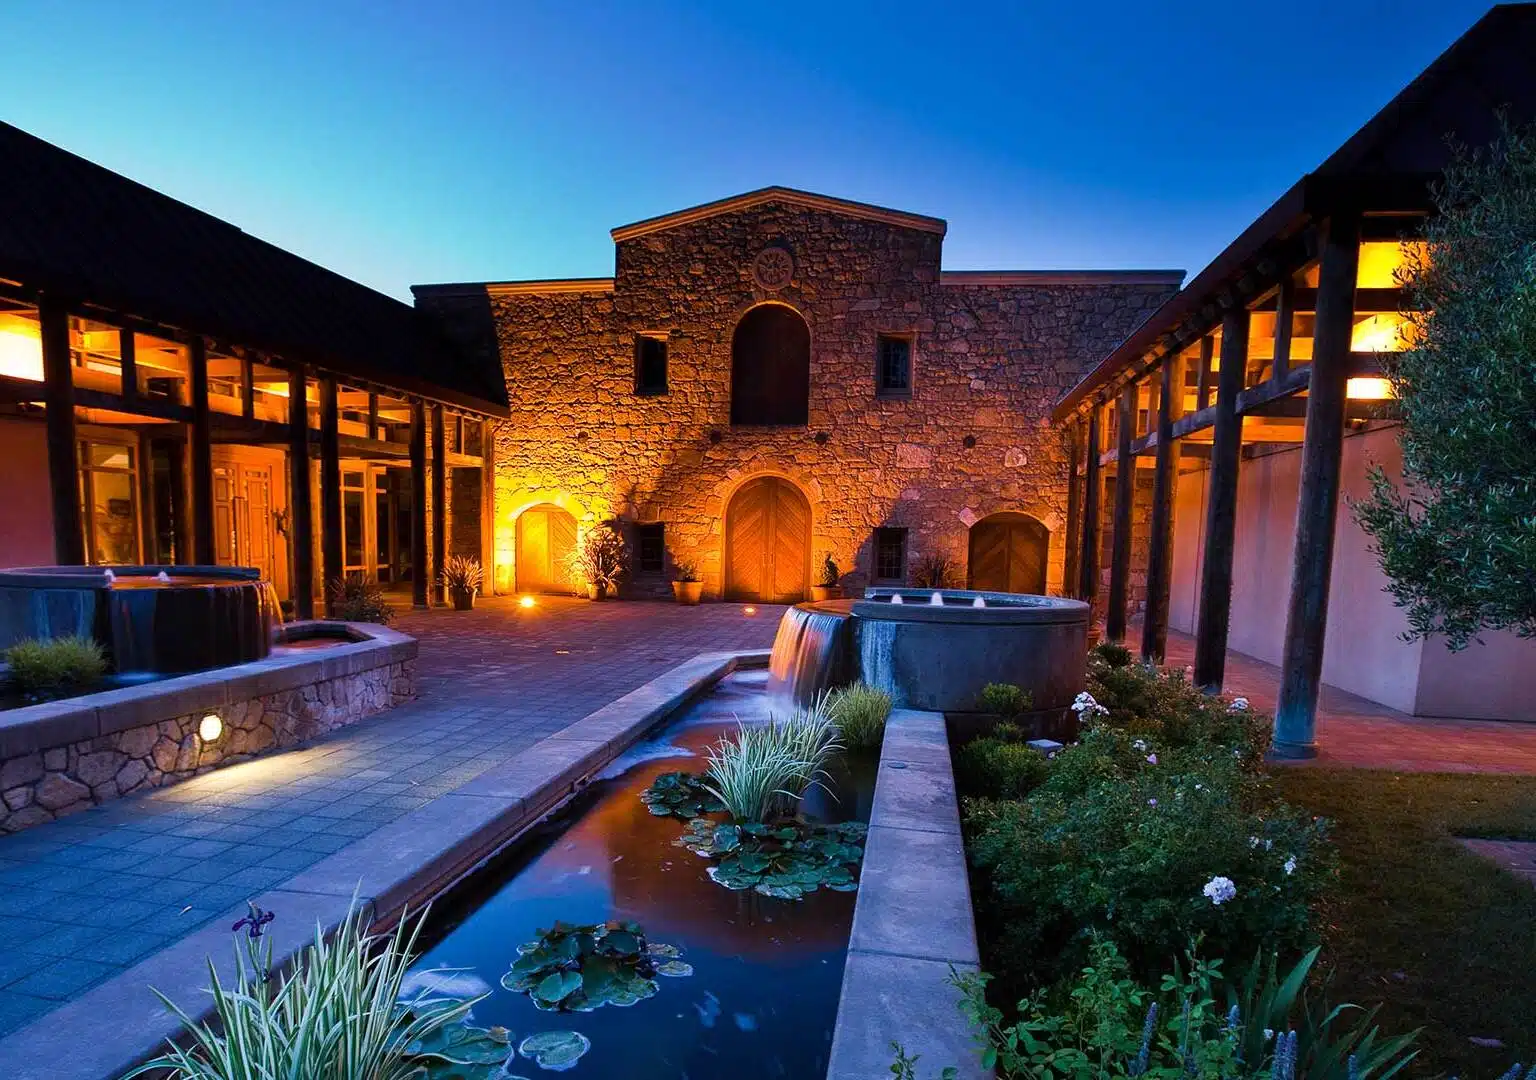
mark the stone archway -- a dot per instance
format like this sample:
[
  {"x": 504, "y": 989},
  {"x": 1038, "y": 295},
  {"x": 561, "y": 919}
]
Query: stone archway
[
  {"x": 546, "y": 538},
  {"x": 1008, "y": 553},
  {"x": 768, "y": 542}
]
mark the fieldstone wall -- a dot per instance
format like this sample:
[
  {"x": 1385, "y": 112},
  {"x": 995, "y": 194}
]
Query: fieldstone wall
[
  {"x": 58, "y": 781},
  {"x": 990, "y": 358}
]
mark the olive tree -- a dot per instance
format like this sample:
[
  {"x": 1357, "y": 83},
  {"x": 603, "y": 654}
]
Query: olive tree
[{"x": 1457, "y": 537}]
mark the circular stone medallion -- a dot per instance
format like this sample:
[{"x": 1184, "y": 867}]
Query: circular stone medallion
[{"x": 773, "y": 268}]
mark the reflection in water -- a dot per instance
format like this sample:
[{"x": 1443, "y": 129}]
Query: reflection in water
[{"x": 767, "y": 973}]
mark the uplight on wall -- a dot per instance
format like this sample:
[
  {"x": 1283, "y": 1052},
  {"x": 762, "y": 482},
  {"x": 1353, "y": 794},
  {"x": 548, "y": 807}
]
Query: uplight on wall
[
  {"x": 210, "y": 727},
  {"x": 1369, "y": 388},
  {"x": 21, "y": 350}
]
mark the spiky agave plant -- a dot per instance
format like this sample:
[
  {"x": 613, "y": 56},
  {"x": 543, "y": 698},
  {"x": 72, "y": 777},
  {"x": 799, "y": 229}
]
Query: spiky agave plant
[{"x": 335, "y": 1015}]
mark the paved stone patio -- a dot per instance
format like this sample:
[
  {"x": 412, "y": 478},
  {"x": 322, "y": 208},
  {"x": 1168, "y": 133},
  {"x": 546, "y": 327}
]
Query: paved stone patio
[{"x": 84, "y": 898}]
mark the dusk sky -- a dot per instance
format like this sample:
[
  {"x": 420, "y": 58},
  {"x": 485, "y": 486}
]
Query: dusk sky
[{"x": 400, "y": 143}]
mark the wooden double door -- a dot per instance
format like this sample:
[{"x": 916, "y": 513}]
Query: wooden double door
[
  {"x": 247, "y": 499},
  {"x": 767, "y": 542},
  {"x": 1008, "y": 554},
  {"x": 546, "y": 539}
]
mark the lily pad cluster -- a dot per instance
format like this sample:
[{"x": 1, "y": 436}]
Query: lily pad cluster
[
  {"x": 462, "y": 1051},
  {"x": 582, "y": 968},
  {"x": 784, "y": 861},
  {"x": 680, "y": 794}
]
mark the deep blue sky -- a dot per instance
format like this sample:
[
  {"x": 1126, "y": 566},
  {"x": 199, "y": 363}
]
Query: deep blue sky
[{"x": 417, "y": 142}]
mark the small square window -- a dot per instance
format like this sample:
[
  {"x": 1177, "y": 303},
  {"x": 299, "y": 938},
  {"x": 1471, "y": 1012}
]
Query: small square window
[
  {"x": 650, "y": 364},
  {"x": 891, "y": 555},
  {"x": 893, "y": 365},
  {"x": 650, "y": 548}
]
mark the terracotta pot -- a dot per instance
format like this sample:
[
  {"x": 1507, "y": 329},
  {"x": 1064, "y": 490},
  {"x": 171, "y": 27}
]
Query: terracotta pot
[
  {"x": 463, "y": 599},
  {"x": 688, "y": 592},
  {"x": 826, "y": 592},
  {"x": 597, "y": 590}
]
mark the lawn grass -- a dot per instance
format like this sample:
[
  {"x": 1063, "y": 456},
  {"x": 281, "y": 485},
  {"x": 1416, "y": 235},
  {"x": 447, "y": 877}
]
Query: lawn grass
[{"x": 1443, "y": 938}]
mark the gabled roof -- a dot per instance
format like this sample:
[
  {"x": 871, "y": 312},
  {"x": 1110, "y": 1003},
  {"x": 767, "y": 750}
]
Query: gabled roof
[
  {"x": 93, "y": 236},
  {"x": 792, "y": 196},
  {"x": 1394, "y": 155}
]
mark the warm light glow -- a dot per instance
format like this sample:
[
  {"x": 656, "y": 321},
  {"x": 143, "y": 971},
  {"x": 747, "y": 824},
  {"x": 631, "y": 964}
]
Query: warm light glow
[
  {"x": 1382, "y": 332},
  {"x": 749, "y": 610},
  {"x": 1381, "y": 261},
  {"x": 210, "y": 728},
  {"x": 21, "y": 351},
  {"x": 526, "y": 602},
  {"x": 1369, "y": 388}
]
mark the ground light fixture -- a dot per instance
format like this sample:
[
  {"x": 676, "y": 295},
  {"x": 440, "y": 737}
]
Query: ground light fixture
[
  {"x": 210, "y": 728},
  {"x": 526, "y": 601},
  {"x": 749, "y": 610}
]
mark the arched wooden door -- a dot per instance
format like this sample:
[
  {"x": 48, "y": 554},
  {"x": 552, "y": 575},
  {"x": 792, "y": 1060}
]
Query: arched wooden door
[
  {"x": 546, "y": 537},
  {"x": 1008, "y": 553},
  {"x": 767, "y": 542}
]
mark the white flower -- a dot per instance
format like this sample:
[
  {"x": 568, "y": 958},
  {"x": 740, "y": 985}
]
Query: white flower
[
  {"x": 1220, "y": 890},
  {"x": 1085, "y": 706},
  {"x": 1253, "y": 841},
  {"x": 1139, "y": 744},
  {"x": 1290, "y": 865},
  {"x": 1239, "y": 704},
  {"x": 1268, "y": 844},
  {"x": 1269, "y": 1033},
  {"x": 1199, "y": 787}
]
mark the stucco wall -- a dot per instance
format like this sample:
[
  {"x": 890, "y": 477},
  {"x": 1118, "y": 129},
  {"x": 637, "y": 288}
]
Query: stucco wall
[
  {"x": 989, "y": 361},
  {"x": 26, "y": 525}
]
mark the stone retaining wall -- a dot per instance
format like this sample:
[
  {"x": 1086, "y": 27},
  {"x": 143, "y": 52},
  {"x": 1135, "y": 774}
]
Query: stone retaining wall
[{"x": 65, "y": 756}]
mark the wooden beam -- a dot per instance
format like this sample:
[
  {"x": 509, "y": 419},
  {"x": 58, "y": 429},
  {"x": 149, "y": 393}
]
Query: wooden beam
[
  {"x": 1221, "y": 512},
  {"x": 1203, "y": 386},
  {"x": 488, "y": 506},
  {"x": 1120, "y": 527},
  {"x": 1154, "y": 627},
  {"x": 1195, "y": 421},
  {"x": 301, "y": 528},
  {"x": 1301, "y": 663},
  {"x": 200, "y": 446},
  {"x": 439, "y": 504},
  {"x": 1074, "y": 507},
  {"x": 1304, "y": 300},
  {"x": 128, "y": 354},
  {"x": 247, "y": 388},
  {"x": 1088, "y": 560},
  {"x": 1256, "y": 397},
  {"x": 63, "y": 470},
  {"x": 373, "y": 416},
  {"x": 418, "y": 504},
  {"x": 332, "y": 558},
  {"x": 1285, "y": 326}
]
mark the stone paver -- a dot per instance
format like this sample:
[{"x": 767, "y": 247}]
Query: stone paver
[
  {"x": 83, "y": 898},
  {"x": 1353, "y": 732}
]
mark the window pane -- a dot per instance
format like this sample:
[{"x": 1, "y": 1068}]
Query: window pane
[
  {"x": 650, "y": 365},
  {"x": 895, "y": 364},
  {"x": 107, "y": 456},
  {"x": 891, "y": 554},
  {"x": 21, "y": 346},
  {"x": 352, "y": 527},
  {"x": 650, "y": 539},
  {"x": 114, "y": 518}
]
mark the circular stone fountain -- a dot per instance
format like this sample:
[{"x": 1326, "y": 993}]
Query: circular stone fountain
[
  {"x": 936, "y": 650},
  {"x": 167, "y": 620}
]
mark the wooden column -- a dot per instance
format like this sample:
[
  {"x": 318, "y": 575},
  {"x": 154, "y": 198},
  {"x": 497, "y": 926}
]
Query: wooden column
[
  {"x": 1221, "y": 507},
  {"x": 373, "y": 416},
  {"x": 331, "y": 557},
  {"x": 1088, "y": 561},
  {"x": 419, "y": 568},
  {"x": 200, "y": 446},
  {"x": 1285, "y": 312},
  {"x": 1203, "y": 377},
  {"x": 488, "y": 506},
  {"x": 1120, "y": 525},
  {"x": 301, "y": 520},
  {"x": 1301, "y": 662},
  {"x": 63, "y": 467},
  {"x": 1165, "y": 478},
  {"x": 128, "y": 357},
  {"x": 439, "y": 504},
  {"x": 247, "y": 388},
  {"x": 1074, "y": 509},
  {"x": 181, "y": 510}
]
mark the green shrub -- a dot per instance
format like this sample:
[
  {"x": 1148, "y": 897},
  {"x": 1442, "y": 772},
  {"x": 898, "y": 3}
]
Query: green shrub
[
  {"x": 860, "y": 712},
  {"x": 999, "y": 768},
  {"x": 1169, "y": 711},
  {"x": 1125, "y": 838},
  {"x": 1005, "y": 699},
  {"x": 359, "y": 600},
  {"x": 1112, "y": 654},
  {"x": 48, "y": 666}
]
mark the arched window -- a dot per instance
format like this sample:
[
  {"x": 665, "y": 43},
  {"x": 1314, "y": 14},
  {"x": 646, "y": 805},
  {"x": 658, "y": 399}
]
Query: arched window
[{"x": 771, "y": 367}]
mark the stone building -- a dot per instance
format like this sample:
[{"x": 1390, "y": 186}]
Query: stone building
[{"x": 778, "y": 377}]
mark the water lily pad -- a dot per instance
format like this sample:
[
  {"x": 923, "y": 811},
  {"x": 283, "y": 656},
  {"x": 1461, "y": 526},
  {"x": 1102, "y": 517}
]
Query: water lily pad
[
  {"x": 556, "y": 1051},
  {"x": 558, "y": 986},
  {"x": 582, "y": 968},
  {"x": 666, "y": 952},
  {"x": 674, "y": 969},
  {"x": 784, "y": 862},
  {"x": 680, "y": 794}
]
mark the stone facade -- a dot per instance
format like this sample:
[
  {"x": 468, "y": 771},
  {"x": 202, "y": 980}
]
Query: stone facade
[
  {"x": 56, "y": 781},
  {"x": 991, "y": 354}
]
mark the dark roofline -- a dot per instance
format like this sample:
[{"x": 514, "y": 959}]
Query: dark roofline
[{"x": 776, "y": 193}]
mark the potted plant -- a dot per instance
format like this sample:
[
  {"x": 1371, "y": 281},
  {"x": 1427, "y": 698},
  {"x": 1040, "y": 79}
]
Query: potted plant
[
  {"x": 462, "y": 578},
  {"x": 601, "y": 560},
  {"x": 686, "y": 586},
  {"x": 826, "y": 588}
]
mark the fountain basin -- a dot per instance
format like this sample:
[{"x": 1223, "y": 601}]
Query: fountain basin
[
  {"x": 937, "y": 656},
  {"x": 165, "y": 620}
]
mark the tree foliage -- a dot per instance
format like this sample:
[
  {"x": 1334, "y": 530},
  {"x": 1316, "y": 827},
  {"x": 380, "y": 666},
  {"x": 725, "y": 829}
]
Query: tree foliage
[{"x": 1457, "y": 538}]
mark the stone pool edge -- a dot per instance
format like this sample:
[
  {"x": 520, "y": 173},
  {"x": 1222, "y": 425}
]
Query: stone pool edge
[
  {"x": 398, "y": 867},
  {"x": 912, "y": 922}
]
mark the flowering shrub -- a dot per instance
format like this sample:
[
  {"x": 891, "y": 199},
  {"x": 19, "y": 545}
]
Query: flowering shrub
[{"x": 1147, "y": 845}]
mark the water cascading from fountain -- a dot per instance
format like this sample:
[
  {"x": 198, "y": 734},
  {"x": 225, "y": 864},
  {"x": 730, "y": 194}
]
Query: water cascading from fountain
[
  {"x": 937, "y": 599},
  {"x": 812, "y": 652}
]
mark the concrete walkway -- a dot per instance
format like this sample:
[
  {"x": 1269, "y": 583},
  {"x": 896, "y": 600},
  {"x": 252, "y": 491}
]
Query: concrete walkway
[
  {"x": 1353, "y": 732},
  {"x": 84, "y": 898}
]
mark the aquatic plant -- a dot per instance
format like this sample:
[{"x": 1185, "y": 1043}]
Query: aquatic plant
[
  {"x": 680, "y": 794},
  {"x": 43, "y": 667},
  {"x": 556, "y": 1051},
  {"x": 784, "y": 861},
  {"x": 860, "y": 712},
  {"x": 763, "y": 768},
  {"x": 579, "y": 968},
  {"x": 335, "y": 1015}
]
